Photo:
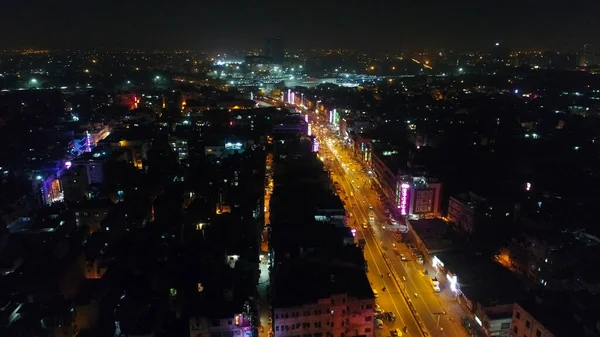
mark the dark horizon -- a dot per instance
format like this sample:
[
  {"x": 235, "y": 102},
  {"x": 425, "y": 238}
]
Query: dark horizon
[{"x": 375, "y": 26}]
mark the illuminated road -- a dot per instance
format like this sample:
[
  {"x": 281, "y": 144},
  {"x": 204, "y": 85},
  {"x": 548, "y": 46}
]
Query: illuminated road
[
  {"x": 359, "y": 196},
  {"x": 389, "y": 300}
]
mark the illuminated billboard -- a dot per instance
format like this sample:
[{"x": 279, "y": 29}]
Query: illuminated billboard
[
  {"x": 453, "y": 281},
  {"x": 315, "y": 145},
  {"x": 403, "y": 199},
  {"x": 233, "y": 146}
]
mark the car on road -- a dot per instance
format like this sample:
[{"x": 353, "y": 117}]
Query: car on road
[
  {"x": 396, "y": 333},
  {"x": 365, "y": 225},
  {"x": 390, "y": 316},
  {"x": 379, "y": 310},
  {"x": 402, "y": 257},
  {"x": 378, "y": 323}
]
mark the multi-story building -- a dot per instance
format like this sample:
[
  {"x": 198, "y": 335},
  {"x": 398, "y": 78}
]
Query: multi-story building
[
  {"x": 418, "y": 196},
  {"x": 91, "y": 213},
  {"x": 134, "y": 147},
  {"x": 74, "y": 183},
  {"x": 274, "y": 48},
  {"x": 464, "y": 211},
  {"x": 179, "y": 146},
  {"x": 94, "y": 166},
  {"x": 553, "y": 259},
  {"x": 235, "y": 325},
  {"x": 332, "y": 302},
  {"x": 525, "y": 323}
]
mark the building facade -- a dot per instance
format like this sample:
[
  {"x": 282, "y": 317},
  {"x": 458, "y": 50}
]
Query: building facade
[
  {"x": 464, "y": 211},
  {"x": 525, "y": 325},
  {"x": 336, "y": 316},
  {"x": 418, "y": 197},
  {"x": 236, "y": 326}
]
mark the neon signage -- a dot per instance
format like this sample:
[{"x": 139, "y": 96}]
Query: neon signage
[
  {"x": 315, "y": 145},
  {"x": 403, "y": 199},
  {"x": 453, "y": 281}
]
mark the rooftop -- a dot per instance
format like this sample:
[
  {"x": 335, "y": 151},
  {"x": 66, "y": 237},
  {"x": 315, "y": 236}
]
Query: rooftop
[
  {"x": 437, "y": 235},
  {"x": 299, "y": 282},
  {"x": 553, "y": 316},
  {"x": 481, "y": 279}
]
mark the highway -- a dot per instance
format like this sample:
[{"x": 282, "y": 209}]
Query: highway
[{"x": 434, "y": 310}]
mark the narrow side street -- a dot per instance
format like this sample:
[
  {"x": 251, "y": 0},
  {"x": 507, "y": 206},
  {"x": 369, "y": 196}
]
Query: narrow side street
[{"x": 263, "y": 287}]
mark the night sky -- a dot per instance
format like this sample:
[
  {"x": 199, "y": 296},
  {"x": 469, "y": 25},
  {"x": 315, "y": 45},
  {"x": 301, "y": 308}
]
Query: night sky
[{"x": 373, "y": 25}]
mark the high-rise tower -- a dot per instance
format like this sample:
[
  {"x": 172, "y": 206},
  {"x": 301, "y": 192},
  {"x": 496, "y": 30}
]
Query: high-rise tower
[
  {"x": 274, "y": 49},
  {"x": 583, "y": 59}
]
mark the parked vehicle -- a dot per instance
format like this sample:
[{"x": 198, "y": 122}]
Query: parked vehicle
[{"x": 362, "y": 243}]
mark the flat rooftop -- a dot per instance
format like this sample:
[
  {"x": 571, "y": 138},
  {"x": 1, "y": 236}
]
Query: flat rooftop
[
  {"x": 438, "y": 235},
  {"x": 481, "y": 279},
  {"x": 556, "y": 318},
  {"x": 301, "y": 282}
]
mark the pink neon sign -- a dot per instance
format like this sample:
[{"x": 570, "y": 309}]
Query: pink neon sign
[{"x": 404, "y": 198}]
